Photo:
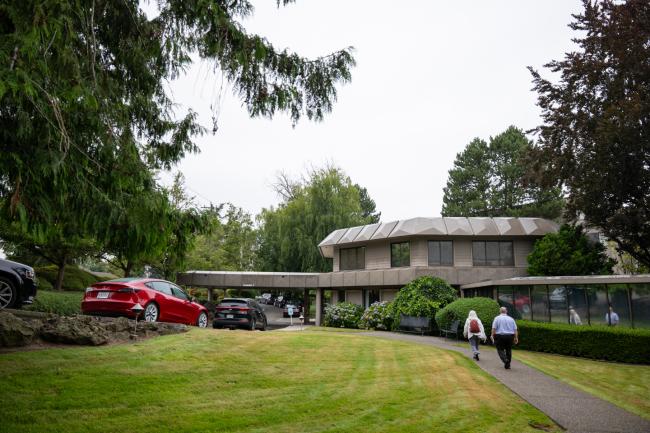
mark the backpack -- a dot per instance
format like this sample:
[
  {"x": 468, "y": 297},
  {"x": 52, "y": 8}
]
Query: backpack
[{"x": 473, "y": 326}]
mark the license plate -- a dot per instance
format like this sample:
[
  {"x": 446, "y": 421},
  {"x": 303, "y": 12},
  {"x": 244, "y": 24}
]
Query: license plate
[
  {"x": 229, "y": 316},
  {"x": 102, "y": 295}
]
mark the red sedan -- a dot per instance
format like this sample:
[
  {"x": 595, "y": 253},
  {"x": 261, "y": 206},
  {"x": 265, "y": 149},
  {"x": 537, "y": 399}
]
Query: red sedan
[{"x": 162, "y": 301}]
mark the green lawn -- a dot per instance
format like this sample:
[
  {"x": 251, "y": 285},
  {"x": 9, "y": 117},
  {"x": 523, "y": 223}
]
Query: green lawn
[
  {"x": 627, "y": 386},
  {"x": 238, "y": 381}
]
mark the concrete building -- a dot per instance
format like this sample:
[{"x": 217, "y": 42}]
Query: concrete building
[{"x": 371, "y": 262}]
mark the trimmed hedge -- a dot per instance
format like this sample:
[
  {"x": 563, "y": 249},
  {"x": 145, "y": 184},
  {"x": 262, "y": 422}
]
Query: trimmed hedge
[
  {"x": 486, "y": 309},
  {"x": 61, "y": 303},
  {"x": 596, "y": 342}
]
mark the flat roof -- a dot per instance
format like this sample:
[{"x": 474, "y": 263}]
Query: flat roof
[
  {"x": 576, "y": 279},
  {"x": 440, "y": 226}
]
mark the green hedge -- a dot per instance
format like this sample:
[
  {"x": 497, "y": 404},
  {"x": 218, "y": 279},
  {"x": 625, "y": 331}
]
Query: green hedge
[
  {"x": 597, "y": 342},
  {"x": 486, "y": 309},
  {"x": 74, "y": 278},
  {"x": 61, "y": 303}
]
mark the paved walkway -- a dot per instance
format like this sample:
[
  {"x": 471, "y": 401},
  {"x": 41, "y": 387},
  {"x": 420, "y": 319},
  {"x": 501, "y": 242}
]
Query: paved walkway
[{"x": 572, "y": 409}]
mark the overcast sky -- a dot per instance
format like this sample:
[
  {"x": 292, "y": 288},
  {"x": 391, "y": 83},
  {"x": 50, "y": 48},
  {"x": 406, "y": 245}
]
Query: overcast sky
[{"x": 430, "y": 76}]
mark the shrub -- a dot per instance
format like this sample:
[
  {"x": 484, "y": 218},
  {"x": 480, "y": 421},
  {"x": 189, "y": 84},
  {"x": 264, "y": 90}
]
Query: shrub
[
  {"x": 422, "y": 297},
  {"x": 74, "y": 278},
  {"x": 486, "y": 309},
  {"x": 61, "y": 303},
  {"x": 343, "y": 315},
  {"x": 597, "y": 342},
  {"x": 377, "y": 316}
]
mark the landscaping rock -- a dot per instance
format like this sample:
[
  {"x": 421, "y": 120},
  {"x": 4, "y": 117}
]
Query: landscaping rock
[
  {"x": 82, "y": 330},
  {"x": 15, "y": 331}
]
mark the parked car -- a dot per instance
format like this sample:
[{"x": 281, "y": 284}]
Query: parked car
[
  {"x": 297, "y": 308},
  {"x": 17, "y": 284},
  {"x": 279, "y": 302},
  {"x": 239, "y": 313},
  {"x": 162, "y": 301}
]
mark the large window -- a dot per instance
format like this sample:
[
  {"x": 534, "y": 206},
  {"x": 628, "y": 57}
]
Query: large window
[
  {"x": 441, "y": 253},
  {"x": 400, "y": 255},
  {"x": 493, "y": 253},
  {"x": 352, "y": 258}
]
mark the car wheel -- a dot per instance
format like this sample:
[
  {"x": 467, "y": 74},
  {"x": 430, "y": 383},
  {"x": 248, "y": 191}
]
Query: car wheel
[
  {"x": 264, "y": 325},
  {"x": 526, "y": 308},
  {"x": 151, "y": 312},
  {"x": 7, "y": 293},
  {"x": 252, "y": 325},
  {"x": 202, "y": 321}
]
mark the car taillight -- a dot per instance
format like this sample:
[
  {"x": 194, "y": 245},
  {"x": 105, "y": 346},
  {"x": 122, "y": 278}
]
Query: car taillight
[
  {"x": 128, "y": 290},
  {"x": 244, "y": 309}
]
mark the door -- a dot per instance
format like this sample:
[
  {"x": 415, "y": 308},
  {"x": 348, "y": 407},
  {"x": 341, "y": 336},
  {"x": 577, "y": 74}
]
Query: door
[
  {"x": 165, "y": 300},
  {"x": 185, "y": 309}
]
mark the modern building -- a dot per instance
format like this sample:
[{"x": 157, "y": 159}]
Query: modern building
[{"x": 371, "y": 262}]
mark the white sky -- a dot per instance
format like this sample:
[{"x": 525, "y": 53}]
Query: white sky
[{"x": 430, "y": 76}]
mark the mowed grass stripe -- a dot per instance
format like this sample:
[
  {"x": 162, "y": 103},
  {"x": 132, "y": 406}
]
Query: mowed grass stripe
[{"x": 223, "y": 381}]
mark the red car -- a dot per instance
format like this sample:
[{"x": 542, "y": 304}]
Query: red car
[{"x": 162, "y": 301}]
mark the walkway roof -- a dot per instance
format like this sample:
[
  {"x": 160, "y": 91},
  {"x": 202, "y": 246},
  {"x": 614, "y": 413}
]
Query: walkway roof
[{"x": 563, "y": 280}]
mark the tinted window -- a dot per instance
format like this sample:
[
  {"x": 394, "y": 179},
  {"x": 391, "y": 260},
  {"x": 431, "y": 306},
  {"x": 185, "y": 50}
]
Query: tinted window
[
  {"x": 400, "y": 255},
  {"x": 441, "y": 253},
  {"x": 160, "y": 286},
  {"x": 352, "y": 258},
  {"x": 178, "y": 293},
  {"x": 492, "y": 253},
  {"x": 232, "y": 303}
]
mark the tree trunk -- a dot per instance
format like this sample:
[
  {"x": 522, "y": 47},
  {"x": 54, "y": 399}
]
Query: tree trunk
[
  {"x": 59, "y": 276},
  {"x": 127, "y": 269}
]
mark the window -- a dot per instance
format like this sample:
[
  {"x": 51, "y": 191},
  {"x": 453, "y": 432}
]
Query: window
[
  {"x": 160, "y": 286},
  {"x": 441, "y": 253},
  {"x": 178, "y": 293},
  {"x": 352, "y": 258},
  {"x": 400, "y": 255},
  {"x": 493, "y": 253}
]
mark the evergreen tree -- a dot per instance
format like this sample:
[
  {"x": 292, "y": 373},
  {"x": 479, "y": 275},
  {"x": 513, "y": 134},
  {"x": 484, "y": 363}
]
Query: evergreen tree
[
  {"x": 568, "y": 252},
  {"x": 491, "y": 180},
  {"x": 595, "y": 137}
]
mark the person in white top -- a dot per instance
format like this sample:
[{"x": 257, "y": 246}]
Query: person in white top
[{"x": 474, "y": 331}]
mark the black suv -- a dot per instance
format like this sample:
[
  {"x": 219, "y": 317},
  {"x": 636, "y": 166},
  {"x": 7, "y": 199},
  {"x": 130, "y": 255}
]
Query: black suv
[
  {"x": 239, "y": 313},
  {"x": 17, "y": 284}
]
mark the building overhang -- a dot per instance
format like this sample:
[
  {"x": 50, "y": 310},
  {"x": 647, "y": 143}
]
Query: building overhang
[{"x": 562, "y": 280}]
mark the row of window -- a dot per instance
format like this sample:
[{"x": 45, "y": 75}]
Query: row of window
[{"x": 441, "y": 253}]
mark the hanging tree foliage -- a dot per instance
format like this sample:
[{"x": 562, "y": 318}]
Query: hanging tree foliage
[{"x": 83, "y": 104}]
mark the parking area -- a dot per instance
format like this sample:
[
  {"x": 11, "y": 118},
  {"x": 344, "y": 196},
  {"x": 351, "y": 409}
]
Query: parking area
[{"x": 275, "y": 319}]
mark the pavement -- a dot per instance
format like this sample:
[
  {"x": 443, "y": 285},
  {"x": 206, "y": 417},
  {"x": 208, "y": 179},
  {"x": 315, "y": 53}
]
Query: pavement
[{"x": 572, "y": 409}]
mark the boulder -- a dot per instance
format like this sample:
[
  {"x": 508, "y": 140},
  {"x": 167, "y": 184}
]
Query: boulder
[
  {"x": 83, "y": 330},
  {"x": 14, "y": 331}
]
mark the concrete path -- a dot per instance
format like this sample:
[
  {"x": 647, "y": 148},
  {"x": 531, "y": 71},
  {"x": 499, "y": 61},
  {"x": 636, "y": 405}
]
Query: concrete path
[{"x": 572, "y": 409}]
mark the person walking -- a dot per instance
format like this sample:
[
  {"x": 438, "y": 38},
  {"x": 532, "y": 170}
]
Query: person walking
[
  {"x": 504, "y": 334},
  {"x": 474, "y": 331}
]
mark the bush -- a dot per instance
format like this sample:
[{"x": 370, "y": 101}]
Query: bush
[
  {"x": 597, "y": 342},
  {"x": 74, "y": 278},
  {"x": 343, "y": 315},
  {"x": 61, "y": 303},
  {"x": 377, "y": 316},
  {"x": 486, "y": 309},
  {"x": 422, "y": 297}
]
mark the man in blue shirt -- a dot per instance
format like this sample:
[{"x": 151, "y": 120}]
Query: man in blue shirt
[
  {"x": 504, "y": 334},
  {"x": 611, "y": 317}
]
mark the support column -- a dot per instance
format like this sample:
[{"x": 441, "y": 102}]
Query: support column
[
  {"x": 305, "y": 304},
  {"x": 319, "y": 306},
  {"x": 210, "y": 294}
]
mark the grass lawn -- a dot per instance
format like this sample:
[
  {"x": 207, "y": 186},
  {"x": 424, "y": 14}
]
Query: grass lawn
[
  {"x": 624, "y": 385},
  {"x": 238, "y": 381}
]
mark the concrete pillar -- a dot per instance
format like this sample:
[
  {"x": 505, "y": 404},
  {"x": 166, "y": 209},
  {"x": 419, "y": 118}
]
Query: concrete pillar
[
  {"x": 319, "y": 306},
  {"x": 210, "y": 295},
  {"x": 305, "y": 304}
]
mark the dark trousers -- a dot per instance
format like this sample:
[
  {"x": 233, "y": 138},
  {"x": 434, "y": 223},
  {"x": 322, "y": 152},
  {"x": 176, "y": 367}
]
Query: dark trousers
[{"x": 503, "y": 343}]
